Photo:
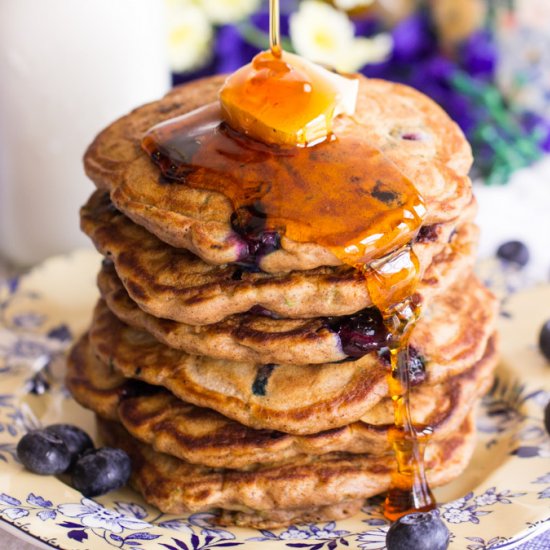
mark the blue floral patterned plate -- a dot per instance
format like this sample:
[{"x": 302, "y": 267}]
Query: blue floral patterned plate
[{"x": 503, "y": 496}]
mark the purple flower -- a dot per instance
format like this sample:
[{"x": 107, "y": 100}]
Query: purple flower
[
  {"x": 413, "y": 39},
  {"x": 478, "y": 55},
  {"x": 366, "y": 27},
  {"x": 231, "y": 51},
  {"x": 533, "y": 123}
]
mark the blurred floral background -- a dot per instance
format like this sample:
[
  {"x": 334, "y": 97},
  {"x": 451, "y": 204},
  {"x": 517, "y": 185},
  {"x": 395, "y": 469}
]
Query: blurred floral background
[{"x": 486, "y": 62}]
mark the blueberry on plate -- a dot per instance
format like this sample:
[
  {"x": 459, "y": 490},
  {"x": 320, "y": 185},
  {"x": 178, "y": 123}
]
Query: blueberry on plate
[
  {"x": 544, "y": 340},
  {"x": 99, "y": 471},
  {"x": 418, "y": 531},
  {"x": 514, "y": 252},
  {"x": 43, "y": 453},
  {"x": 76, "y": 439}
]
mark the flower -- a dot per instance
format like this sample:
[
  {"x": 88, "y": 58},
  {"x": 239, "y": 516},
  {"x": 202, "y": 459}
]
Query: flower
[
  {"x": 326, "y": 35},
  {"x": 228, "y": 11},
  {"x": 374, "y": 539},
  {"x": 456, "y": 515},
  {"x": 91, "y": 514},
  {"x": 189, "y": 35},
  {"x": 294, "y": 533},
  {"x": 478, "y": 54},
  {"x": 348, "y": 5},
  {"x": 457, "y": 504},
  {"x": 487, "y": 499},
  {"x": 327, "y": 531},
  {"x": 31, "y": 350},
  {"x": 15, "y": 513}
]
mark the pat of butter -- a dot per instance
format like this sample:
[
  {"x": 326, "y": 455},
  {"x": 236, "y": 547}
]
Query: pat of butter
[{"x": 286, "y": 101}]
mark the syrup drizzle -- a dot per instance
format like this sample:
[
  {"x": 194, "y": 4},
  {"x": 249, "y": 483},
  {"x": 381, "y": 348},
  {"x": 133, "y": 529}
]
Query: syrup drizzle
[
  {"x": 295, "y": 190},
  {"x": 301, "y": 203},
  {"x": 274, "y": 29}
]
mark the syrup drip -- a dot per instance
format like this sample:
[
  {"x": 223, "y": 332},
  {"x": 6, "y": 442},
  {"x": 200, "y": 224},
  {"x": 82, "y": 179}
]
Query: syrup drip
[
  {"x": 325, "y": 194},
  {"x": 409, "y": 491}
]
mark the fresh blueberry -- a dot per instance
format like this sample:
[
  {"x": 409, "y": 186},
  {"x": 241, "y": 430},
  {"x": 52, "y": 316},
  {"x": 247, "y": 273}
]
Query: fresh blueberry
[
  {"x": 514, "y": 252},
  {"x": 361, "y": 333},
  {"x": 102, "y": 470},
  {"x": 418, "y": 531},
  {"x": 547, "y": 417},
  {"x": 416, "y": 365},
  {"x": 43, "y": 453},
  {"x": 544, "y": 340},
  {"x": 76, "y": 439}
]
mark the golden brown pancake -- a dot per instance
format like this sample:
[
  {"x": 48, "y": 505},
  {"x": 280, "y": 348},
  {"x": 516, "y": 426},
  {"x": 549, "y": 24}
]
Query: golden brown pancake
[
  {"x": 409, "y": 128},
  {"x": 173, "y": 284},
  {"x": 202, "y": 436},
  {"x": 259, "y": 338},
  {"x": 178, "y": 487},
  {"x": 301, "y": 399}
]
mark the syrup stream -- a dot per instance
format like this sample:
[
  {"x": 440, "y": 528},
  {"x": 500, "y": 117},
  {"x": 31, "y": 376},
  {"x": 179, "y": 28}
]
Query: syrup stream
[{"x": 274, "y": 29}]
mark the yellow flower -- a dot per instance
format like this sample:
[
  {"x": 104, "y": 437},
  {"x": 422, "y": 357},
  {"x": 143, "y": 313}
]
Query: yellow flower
[
  {"x": 189, "y": 35},
  {"x": 348, "y": 5},
  {"x": 228, "y": 11},
  {"x": 325, "y": 35}
]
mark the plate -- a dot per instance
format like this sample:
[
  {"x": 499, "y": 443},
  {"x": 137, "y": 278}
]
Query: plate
[{"x": 503, "y": 496}]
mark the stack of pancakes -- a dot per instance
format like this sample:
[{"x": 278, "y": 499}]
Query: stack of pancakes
[{"x": 252, "y": 379}]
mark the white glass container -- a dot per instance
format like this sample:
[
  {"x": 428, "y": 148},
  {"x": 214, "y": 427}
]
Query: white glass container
[{"x": 67, "y": 69}]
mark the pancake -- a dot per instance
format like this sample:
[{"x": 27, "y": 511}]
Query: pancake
[
  {"x": 178, "y": 487},
  {"x": 202, "y": 436},
  {"x": 173, "y": 284},
  {"x": 255, "y": 337},
  {"x": 410, "y": 129},
  {"x": 302, "y": 399}
]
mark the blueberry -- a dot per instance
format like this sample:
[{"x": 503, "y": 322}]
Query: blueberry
[
  {"x": 360, "y": 333},
  {"x": 514, "y": 252},
  {"x": 428, "y": 233},
  {"x": 547, "y": 417},
  {"x": 102, "y": 470},
  {"x": 250, "y": 223},
  {"x": 416, "y": 365},
  {"x": 544, "y": 340},
  {"x": 76, "y": 439},
  {"x": 43, "y": 453},
  {"x": 418, "y": 531}
]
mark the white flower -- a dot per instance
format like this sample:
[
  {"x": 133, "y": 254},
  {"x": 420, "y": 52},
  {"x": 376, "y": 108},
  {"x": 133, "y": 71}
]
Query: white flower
[
  {"x": 189, "y": 35},
  {"x": 326, "y": 35},
  {"x": 294, "y": 533},
  {"x": 228, "y": 11},
  {"x": 92, "y": 514},
  {"x": 348, "y": 5},
  {"x": 486, "y": 499},
  {"x": 29, "y": 350},
  {"x": 454, "y": 515},
  {"x": 15, "y": 513}
]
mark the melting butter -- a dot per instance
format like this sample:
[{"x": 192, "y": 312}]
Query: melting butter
[{"x": 286, "y": 100}]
